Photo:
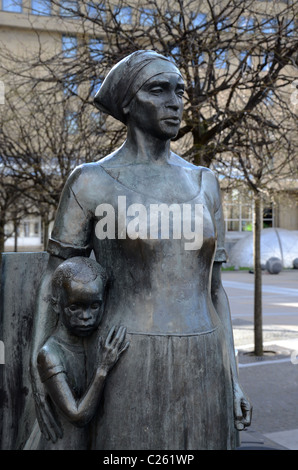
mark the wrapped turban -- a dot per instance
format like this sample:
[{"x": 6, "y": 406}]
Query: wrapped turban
[{"x": 126, "y": 78}]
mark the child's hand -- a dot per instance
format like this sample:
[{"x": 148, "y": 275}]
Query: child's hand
[{"x": 114, "y": 346}]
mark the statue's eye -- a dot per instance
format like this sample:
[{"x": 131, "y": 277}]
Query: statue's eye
[
  {"x": 156, "y": 90},
  {"x": 95, "y": 305},
  {"x": 73, "y": 307}
]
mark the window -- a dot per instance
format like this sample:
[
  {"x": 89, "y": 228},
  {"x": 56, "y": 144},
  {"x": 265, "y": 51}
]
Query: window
[
  {"x": 199, "y": 20},
  {"x": 36, "y": 228},
  {"x": 26, "y": 229},
  {"x": 269, "y": 26},
  {"x": 69, "y": 8},
  {"x": 269, "y": 97},
  {"x": 96, "y": 48},
  {"x": 69, "y": 46},
  {"x": 95, "y": 85},
  {"x": 173, "y": 17},
  {"x": 71, "y": 123},
  {"x": 96, "y": 10},
  {"x": 221, "y": 58},
  {"x": 223, "y": 24},
  {"x": 70, "y": 85},
  {"x": 290, "y": 28},
  {"x": 246, "y": 59},
  {"x": 267, "y": 61},
  {"x": 245, "y": 24},
  {"x": 268, "y": 220},
  {"x": 123, "y": 15},
  {"x": 238, "y": 212},
  {"x": 12, "y": 5},
  {"x": 175, "y": 53},
  {"x": 97, "y": 122},
  {"x": 147, "y": 17},
  {"x": 41, "y": 7}
]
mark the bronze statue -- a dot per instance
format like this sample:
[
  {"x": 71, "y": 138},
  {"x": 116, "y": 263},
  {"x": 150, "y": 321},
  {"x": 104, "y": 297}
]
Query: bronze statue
[
  {"x": 68, "y": 357},
  {"x": 177, "y": 385}
]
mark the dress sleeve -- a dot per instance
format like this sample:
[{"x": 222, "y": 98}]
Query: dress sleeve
[
  {"x": 220, "y": 254},
  {"x": 71, "y": 235},
  {"x": 48, "y": 363}
]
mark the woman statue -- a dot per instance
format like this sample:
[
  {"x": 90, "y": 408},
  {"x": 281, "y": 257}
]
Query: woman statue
[{"x": 177, "y": 385}]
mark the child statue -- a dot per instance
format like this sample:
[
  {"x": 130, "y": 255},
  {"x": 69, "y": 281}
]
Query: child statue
[{"x": 65, "y": 360}]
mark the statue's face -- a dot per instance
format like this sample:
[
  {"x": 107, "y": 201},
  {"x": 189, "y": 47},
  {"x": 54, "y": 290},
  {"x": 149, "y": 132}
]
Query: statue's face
[
  {"x": 82, "y": 306},
  {"x": 157, "y": 107}
]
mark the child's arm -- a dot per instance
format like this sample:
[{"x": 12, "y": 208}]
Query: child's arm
[{"x": 80, "y": 412}]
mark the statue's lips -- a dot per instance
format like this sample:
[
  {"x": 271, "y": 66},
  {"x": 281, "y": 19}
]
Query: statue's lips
[
  {"x": 84, "y": 327},
  {"x": 172, "y": 119}
]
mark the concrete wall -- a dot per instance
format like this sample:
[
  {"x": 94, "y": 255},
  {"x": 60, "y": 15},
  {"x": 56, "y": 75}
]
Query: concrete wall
[{"x": 21, "y": 274}]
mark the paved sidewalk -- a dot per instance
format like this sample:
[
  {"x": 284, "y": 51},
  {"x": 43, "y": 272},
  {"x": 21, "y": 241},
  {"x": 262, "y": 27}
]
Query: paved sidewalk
[{"x": 271, "y": 382}]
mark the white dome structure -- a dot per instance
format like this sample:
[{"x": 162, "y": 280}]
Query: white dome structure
[{"x": 275, "y": 242}]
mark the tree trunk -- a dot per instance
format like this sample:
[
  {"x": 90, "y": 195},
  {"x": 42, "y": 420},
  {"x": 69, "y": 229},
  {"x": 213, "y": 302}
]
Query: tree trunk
[
  {"x": 258, "y": 327},
  {"x": 46, "y": 224},
  {"x": 2, "y": 237},
  {"x": 15, "y": 235}
]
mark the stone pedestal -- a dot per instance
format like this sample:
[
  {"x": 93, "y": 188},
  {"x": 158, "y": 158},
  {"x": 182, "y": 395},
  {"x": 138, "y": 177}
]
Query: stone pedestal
[{"x": 21, "y": 275}]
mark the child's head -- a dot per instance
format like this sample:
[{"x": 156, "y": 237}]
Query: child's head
[{"x": 78, "y": 294}]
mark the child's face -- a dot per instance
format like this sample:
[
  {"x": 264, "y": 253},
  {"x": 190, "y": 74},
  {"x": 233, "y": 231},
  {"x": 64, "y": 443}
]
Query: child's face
[{"x": 81, "y": 306}]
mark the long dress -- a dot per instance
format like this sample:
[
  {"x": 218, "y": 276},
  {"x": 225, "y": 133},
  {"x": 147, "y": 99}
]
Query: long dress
[{"x": 172, "y": 389}]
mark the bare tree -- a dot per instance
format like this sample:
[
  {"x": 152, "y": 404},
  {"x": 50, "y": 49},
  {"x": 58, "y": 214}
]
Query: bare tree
[
  {"x": 232, "y": 54},
  {"x": 262, "y": 157}
]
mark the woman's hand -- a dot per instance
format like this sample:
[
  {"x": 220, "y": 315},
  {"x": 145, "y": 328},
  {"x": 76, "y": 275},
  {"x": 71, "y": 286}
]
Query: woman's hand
[
  {"x": 113, "y": 348},
  {"x": 242, "y": 408}
]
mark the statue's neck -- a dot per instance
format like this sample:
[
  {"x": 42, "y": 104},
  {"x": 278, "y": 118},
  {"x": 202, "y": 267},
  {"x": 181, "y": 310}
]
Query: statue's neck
[
  {"x": 65, "y": 335},
  {"x": 145, "y": 148}
]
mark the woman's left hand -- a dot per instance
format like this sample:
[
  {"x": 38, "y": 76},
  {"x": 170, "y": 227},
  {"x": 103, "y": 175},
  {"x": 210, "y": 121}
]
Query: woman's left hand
[{"x": 242, "y": 408}]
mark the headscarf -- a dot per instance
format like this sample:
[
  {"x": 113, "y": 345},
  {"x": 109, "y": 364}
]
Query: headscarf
[{"x": 126, "y": 78}]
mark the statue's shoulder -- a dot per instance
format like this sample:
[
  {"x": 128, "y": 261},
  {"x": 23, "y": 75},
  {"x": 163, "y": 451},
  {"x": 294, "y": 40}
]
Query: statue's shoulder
[
  {"x": 201, "y": 171},
  {"x": 87, "y": 173}
]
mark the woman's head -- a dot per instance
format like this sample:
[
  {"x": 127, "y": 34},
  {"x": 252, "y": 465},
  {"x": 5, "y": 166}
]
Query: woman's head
[{"x": 127, "y": 77}]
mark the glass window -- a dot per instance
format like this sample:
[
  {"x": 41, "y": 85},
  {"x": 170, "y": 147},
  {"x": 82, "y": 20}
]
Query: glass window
[
  {"x": 268, "y": 216},
  {"x": 12, "y": 5},
  {"x": 41, "y": 7},
  {"x": 26, "y": 228},
  {"x": 175, "y": 53},
  {"x": 70, "y": 85},
  {"x": 123, "y": 15},
  {"x": 269, "y": 26},
  {"x": 69, "y": 46},
  {"x": 147, "y": 17},
  {"x": 245, "y": 23},
  {"x": 290, "y": 28},
  {"x": 71, "y": 123},
  {"x": 173, "y": 17},
  {"x": 96, "y": 48},
  {"x": 267, "y": 62},
  {"x": 96, "y": 10},
  {"x": 97, "y": 122},
  {"x": 233, "y": 226},
  {"x": 69, "y": 8},
  {"x": 238, "y": 212},
  {"x": 221, "y": 59},
  {"x": 245, "y": 58},
  {"x": 199, "y": 19},
  {"x": 223, "y": 24},
  {"x": 95, "y": 85}
]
